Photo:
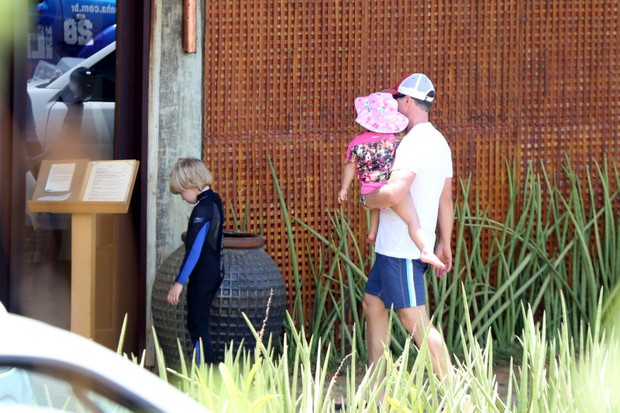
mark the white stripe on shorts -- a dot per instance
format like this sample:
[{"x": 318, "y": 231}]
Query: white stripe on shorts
[{"x": 410, "y": 284}]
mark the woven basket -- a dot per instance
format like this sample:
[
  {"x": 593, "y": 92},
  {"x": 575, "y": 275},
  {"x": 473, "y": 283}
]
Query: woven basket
[{"x": 251, "y": 278}]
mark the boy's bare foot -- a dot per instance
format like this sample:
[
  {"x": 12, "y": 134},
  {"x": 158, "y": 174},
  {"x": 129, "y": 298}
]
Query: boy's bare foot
[
  {"x": 338, "y": 403},
  {"x": 430, "y": 258}
]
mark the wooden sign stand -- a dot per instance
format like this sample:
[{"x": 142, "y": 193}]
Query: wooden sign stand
[{"x": 84, "y": 189}]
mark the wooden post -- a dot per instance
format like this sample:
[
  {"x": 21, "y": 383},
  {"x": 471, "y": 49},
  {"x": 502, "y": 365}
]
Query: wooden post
[
  {"x": 83, "y": 269},
  {"x": 189, "y": 26}
]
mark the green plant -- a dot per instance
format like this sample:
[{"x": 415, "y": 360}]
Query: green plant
[
  {"x": 551, "y": 376},
  {"x": 553, "y": 241},
  {"x": 533, "y": 281}
]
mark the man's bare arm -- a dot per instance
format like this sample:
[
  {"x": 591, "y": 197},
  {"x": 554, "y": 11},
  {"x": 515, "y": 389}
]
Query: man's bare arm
[
  {"x": 445, "y": 222},
  {"x": 393, "y": 192}
]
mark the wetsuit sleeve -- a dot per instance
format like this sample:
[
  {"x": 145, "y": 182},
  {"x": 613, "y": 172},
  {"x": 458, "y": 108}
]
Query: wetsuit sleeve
[{"x": 194, "y": 254}]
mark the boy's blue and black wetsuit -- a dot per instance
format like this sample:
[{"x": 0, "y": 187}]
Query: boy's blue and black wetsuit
[{"x": 203, "y": 267}]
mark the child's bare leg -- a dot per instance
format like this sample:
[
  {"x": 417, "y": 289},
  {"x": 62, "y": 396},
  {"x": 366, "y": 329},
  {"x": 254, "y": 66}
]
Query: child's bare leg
[
  {"x": 407, "y": 212},
  {"x": 374, "y": 225}
]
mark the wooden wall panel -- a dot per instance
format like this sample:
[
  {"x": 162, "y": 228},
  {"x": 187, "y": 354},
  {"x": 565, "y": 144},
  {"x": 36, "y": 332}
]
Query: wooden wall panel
[{"x": 517, "y": 81}]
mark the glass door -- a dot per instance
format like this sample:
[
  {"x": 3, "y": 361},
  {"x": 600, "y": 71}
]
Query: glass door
[
  {"x": 66, "y": 88},
  {"x": 65, "y": 109}
]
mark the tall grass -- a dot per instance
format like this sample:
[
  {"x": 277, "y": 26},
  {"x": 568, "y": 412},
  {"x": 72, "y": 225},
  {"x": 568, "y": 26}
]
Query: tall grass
[
  {"x": 554, "y": 241},
  {"x": 551, "y": 375},
  {"x": 543, "y": 278}
]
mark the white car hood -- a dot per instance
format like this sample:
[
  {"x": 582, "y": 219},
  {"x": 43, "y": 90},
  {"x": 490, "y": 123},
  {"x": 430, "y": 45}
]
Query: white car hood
[{"x": 23, "y": 338}]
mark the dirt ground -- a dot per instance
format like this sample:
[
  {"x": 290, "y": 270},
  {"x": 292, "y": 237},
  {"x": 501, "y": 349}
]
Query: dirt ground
[{"x": 502, "y": 376}]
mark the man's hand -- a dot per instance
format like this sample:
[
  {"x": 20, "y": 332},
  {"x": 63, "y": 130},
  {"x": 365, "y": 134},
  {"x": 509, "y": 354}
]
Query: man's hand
[
  {"x": 444, "y": 253},
  {"x": 175, "y": 293}
]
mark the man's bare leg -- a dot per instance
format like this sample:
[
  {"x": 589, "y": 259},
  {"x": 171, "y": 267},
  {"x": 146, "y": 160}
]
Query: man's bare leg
[
  {"x": 417, "y": 323},
  {"x": 376, "y": 327},
  {"x": 377, "y": 324}
]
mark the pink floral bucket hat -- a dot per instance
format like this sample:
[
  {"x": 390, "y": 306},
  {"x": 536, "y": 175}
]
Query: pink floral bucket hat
[{"x": 379, "y": 113}]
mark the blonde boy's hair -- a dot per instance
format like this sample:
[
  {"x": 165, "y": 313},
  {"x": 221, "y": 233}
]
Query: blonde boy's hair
[{"x": 189, "y": 173}]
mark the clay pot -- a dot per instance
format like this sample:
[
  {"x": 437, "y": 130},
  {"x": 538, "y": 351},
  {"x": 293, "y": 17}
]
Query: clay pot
[{"x": 251, "y": 277}]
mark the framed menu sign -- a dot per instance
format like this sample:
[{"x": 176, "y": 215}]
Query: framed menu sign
[
  {"x": 84, "y": 189},
  {"x": 80, "y": 185},
  {"x": 60, "y": 180},
  {"x": 109, "y": 181}
]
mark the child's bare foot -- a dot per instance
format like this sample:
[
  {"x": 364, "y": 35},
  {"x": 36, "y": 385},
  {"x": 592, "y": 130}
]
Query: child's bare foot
[{"x": 430, "y": 258}]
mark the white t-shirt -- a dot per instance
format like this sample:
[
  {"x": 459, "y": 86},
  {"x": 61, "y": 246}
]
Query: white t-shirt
[{"x": 425, "y": 152}]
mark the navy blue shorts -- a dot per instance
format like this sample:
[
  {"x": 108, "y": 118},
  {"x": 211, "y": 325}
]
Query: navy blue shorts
[{"x": 399, "y": 282}]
